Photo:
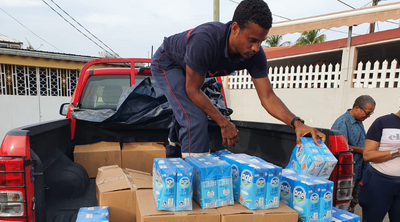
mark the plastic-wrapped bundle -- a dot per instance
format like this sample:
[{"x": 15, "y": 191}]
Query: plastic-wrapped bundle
[
  {"x": 172, "y": 184},
  {"x": 212, "y": 181}
]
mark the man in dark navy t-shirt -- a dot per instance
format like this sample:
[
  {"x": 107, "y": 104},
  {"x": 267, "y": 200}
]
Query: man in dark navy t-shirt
[{"x": 184, "y": 60}]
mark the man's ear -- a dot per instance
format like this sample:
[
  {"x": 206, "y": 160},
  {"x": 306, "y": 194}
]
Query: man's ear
[{"x": 235, "y": 29}]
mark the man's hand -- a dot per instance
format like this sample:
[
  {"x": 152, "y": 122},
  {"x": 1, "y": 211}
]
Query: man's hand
[
  {"x": 194, "y": 82},
  {"x": 302, "y": 130},
  {"x": 229, "y": 135}
]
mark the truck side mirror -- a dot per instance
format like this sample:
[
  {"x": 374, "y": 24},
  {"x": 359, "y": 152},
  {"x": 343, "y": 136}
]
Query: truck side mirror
[{"x": 64, "y": 109}]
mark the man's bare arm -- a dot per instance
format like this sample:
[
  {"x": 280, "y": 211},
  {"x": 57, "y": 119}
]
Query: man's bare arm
[
  {"x": 276, "y": 108},
  {"x": 194, "y": 82}
]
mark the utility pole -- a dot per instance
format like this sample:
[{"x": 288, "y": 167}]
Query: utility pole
[
  {"x": 216, "y": 10},
  {"x": 372, "y": 25}
]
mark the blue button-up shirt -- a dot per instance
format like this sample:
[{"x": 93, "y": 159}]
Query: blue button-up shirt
[{"x": 354, "y": 132}]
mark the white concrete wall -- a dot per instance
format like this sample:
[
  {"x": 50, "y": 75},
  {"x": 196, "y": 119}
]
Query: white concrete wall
[
  {"x": 318, "y": 107},
  {"x": 18, "y": 111}
]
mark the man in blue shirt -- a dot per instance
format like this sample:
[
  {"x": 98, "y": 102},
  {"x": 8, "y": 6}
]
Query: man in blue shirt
[
  {"x": 184, "y": 60},
  {"x": 350, "y": 124}
]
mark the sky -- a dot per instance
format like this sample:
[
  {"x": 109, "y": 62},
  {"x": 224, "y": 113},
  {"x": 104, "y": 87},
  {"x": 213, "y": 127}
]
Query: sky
[{"x": 131, "y": 28}]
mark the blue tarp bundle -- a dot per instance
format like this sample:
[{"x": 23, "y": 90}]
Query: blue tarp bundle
[{"x": 146, "y": 104}]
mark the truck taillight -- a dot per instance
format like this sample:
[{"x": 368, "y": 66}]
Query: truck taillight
[
  {"x": 11, "y": 172},
  {"x": 11, "y": 204},
  {"x": 343, "y": 173},
  {"x": 346, "y": 165},
  {"x": 344, "y": 189},
  {"x": 345, "y": 176},
  {"x": 338, "y": 143},
  {"x": 12, "y": 188}
]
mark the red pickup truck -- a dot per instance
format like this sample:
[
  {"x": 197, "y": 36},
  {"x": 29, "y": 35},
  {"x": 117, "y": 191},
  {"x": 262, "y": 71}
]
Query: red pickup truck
[{"x": 40, "y": 182}]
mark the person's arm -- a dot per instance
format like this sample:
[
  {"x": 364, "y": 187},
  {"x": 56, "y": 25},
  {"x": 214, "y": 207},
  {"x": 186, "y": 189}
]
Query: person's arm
[
  {"x": 371, "y": 153},
  {"x": 356, "y": 149},
  {"x": 276, "y": 108},
  {"x": 194, "y": 82}
]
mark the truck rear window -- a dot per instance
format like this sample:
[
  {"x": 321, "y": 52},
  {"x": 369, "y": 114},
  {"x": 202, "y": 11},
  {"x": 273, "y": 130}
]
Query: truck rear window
[{"x": 103, "y": 91}]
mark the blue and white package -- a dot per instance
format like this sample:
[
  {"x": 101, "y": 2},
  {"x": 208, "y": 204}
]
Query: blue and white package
[
  {"x": 93, "y": 214},
  {"x": 155, "y": 165},
  {"x": 293, "y": 164},
  {"x": 212, "y": 181},
  {"x": 306, "y": 200},
  {"x": 300, "y": 194},
  {"x": 225, "y": 187},
  {"x": 222, "y": 152},
  {"x": 273, "y": 185},
  {"x": 88, "y": 217},
  {"x": 103, "y": 210},
  {"x": 236, "y": 166},
  {"x": 308, "y": 157},
  {"x": 339, "y": 215},
  {"x": 205, "y": 177},
  {"x": 287, "y": 186},
  {"x": 273, "y": 177},
  {"x": 325, "y": 201},
  {"x": 311, "y": 195},
  {"x": 165, "y": 190},
  {"x": 329, "y": 159},
  {"x": 184, "y": 188},
  {"x": 253, "y": 186},
  {"x": 172, "y": 184}
]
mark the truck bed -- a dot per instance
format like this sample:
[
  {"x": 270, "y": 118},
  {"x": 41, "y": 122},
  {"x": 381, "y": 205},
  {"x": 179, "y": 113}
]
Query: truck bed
[
  {"x": 62, "y": 186},
  {"x": 66, "y": 210}
]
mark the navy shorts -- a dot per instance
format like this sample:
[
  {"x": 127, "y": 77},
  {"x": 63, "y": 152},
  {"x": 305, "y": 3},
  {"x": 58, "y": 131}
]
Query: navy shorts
[{"x": 379, "y": 195}]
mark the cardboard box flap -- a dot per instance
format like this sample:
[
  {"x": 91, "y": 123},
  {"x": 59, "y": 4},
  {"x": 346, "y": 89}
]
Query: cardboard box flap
[
  {"x": 140, "y": 180},
  {"x": 96, "y": 147},
  {"x": 235, "y": 209},
  {"x": 112, "y": 178},
  {"x": 142, "y": 146},
  {"x": 148, "y": 207}
]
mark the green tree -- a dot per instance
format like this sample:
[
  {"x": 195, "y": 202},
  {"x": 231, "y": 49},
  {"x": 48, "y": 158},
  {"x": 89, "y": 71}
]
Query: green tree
[
  {"x": 276, "y": 40},
  {"x": 310, "y": 37}
]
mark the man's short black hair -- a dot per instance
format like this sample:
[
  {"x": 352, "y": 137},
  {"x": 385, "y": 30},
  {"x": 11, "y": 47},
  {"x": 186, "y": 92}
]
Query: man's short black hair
[{"x": 256, "y": 11}]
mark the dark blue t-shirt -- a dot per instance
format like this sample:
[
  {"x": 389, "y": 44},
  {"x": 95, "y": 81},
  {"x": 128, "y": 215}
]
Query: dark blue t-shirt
[{"x": 205, "y": 50}]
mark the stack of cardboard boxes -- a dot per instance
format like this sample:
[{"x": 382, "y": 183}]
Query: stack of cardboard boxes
[
  {"x": 136, "y": 156},
  {"x": 119, "y": 173},
  {"x": 128, "y": 193}
]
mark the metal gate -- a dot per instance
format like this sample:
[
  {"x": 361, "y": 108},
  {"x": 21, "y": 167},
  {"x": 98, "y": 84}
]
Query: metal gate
[{"x": 29, "y": 81}]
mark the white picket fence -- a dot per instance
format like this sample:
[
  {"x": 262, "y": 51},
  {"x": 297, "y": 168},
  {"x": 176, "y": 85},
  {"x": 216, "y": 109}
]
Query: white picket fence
[
  {"x": 301, "y": 77},
  {"x": 377, "y": 76}
]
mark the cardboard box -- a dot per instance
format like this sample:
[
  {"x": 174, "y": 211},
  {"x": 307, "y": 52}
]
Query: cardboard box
[
  {"x": 239, "y": 213},
  {"x": 146, "y": 211},
  {"x": 117, "y": 189},
  {"x": 93, "y": 156},
  {"x": 140, "y": 155}
]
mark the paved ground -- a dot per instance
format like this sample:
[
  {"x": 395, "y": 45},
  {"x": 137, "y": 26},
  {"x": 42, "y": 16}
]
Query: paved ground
[{"x": 358, "y": 211}]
